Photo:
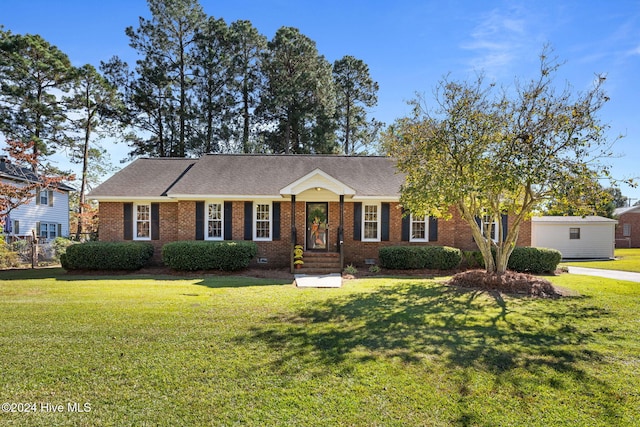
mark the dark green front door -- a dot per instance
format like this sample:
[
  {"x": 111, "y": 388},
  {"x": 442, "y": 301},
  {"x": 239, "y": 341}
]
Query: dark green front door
[{"x": 317, "y": 230}]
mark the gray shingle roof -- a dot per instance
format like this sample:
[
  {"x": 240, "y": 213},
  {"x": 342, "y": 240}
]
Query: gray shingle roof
[
  {"x": 249, "y": 175},
  {"x": 621, "y": 211},
  {"x": 144, "y": 178},
  {"x": 18, "y": 173}
]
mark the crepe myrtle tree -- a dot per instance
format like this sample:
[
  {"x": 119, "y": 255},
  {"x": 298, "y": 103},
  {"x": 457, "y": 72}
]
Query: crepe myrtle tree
[{"x": 488, "y": 152}]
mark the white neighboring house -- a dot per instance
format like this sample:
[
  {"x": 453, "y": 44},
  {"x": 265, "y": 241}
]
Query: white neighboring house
[
  {"x": 574, "y": 236},
  {"x": 47, "y": 213}
]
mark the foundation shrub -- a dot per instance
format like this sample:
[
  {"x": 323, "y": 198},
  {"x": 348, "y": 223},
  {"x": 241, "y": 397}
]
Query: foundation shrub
[
  {"x": 534, "y": 260},
  {"x": 201, "y": 255},
  {"x": 419, "y": 257},
  {"x": 107, "y": 256}
]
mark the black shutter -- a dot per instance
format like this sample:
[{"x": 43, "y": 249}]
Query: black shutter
[
  {"x": 37, "y": 196},
  {"x": 276, "y": 220},
  {"x": 505, "y": 225},
  {"x": 357, "y": 221},
  {"x": 59, "y": 230},
  {"x": 228, "y": 220},
  {"x": 155, "y": 221},
  {"x": 384, "y": 215},
  {"x": 406, "y": 224},
  {"x": 433, "y": 229},
  {"x": 50, "y": 194},
  {"x": 127, "y": 213},
  {"x": 248, "y": 220},
  {"x": 16, "y": 227},
  {"x": 199, "y": 220}
]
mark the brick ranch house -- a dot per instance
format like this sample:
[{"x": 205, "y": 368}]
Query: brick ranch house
[
  {"x": 340, "y": 208},
  {"x": 628, "y": 228}
]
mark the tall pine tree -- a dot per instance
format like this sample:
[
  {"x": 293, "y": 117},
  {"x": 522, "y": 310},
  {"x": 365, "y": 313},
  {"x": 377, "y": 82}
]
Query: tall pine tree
[
  {"x": 33, "y": 73},
  {"x": 298, "y": 101},
  {"x": 355, "y": 92}
]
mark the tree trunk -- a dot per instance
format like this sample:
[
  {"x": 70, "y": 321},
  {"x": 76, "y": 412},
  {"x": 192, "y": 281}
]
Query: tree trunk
[{"x": 246, "y": 118}]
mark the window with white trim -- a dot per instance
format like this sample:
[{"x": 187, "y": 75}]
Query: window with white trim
[
  {"x": 48, "y": 230},
  {"x": 626, "y": 230},
  {"x": 215, "y": 221},
  {"x": 574, "y": 233},
  {"x": 371, "y": 223},
  {"x": 44, "y": 197},
  {"x": 419, "y": 229},
  {"x": 142, "y": 223},
  {"x": 488, "y": 220},
  {"x": 262, "y": 221}
]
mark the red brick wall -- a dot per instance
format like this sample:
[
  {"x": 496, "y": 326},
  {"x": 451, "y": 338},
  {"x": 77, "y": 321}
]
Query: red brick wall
[
  {"x": 633, "y": 219},
  {"x": 177, "y": 222},
  {"x": 111, "y": 221}
]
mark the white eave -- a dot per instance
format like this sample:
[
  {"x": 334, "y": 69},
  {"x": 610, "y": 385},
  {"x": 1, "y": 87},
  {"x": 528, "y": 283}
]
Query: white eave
[
  {"x": 314, "y": 180},
  {"x": 149, "y": 199}
]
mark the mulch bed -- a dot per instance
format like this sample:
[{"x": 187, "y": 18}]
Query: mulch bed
[{"x": 509, "y": 282}]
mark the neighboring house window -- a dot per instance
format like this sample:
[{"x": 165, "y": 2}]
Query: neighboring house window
[
  {"x": 15, "y": 226},
  {"x": 262, "y": 216},
  {"x": 626, "y": 230},
  {"x": 44, "y": 197},
  {"x": 488, "y": 220},
  {"x": 142, "y": 222},
  {"x": 371, "y": 223},
  {"x": 215, "y": 224},
  {"x": 48, "y": 230},
  {"x": 574, "y": 233},
  {"x": 419, "y": 229}
]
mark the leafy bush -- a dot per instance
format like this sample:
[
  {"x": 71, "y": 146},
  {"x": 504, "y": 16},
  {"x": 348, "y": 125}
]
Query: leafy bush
[
  {"x": 7, "y": 257},
  {"x": 523, "y": 259},
  {"x": 473, "y": 259},
  {"x": 419, "y": 257},
  {"x": 534, "y": 260},
  {"x": 200, "y": 255},
  {"x": 107, "y": 256},
  {"x": 350, "y": 269},
  {"x": 60, "y": 245}
]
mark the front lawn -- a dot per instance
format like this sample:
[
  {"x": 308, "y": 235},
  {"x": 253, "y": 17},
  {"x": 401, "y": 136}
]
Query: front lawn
[
  {"x": 625, "y": 260},
  {"x": 174, "y": 351}
]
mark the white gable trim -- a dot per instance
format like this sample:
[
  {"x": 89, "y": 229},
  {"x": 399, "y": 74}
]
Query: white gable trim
[{"x": 317, "y": 179}]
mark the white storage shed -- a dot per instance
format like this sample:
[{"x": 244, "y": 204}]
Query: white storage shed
[{"x": 575, "y": 236}]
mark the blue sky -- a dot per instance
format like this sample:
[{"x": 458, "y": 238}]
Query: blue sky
[{"x": 408, "y": 45}]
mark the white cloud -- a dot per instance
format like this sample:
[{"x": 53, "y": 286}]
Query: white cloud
[{"x": 498, "y": 39}]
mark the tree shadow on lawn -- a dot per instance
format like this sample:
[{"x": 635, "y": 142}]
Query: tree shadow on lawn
[
  {"x": 459, "y": 328},
  {"x": 208, "y": 279}
]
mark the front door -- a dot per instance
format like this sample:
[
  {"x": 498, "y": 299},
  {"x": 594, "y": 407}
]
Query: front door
[{"x": 317, "y": 229}]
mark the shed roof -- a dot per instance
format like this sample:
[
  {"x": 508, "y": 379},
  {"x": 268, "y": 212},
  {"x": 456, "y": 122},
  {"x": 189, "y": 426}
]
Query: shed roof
[{"x": 573, "y": 220}]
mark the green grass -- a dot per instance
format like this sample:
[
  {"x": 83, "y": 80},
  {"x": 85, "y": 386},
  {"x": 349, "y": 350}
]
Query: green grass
[
  {"x": 381, "y": 351},
  {"x": 625, "y": 260}
]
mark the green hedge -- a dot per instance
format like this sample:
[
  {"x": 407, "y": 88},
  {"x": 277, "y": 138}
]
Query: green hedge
[
  {"x": 419, "y": 257},
  {"x": 107, "y": 256},
  {"x": 523, "y": 259},
  {"x": 534, "y": 260},
  {"x": 200, "y": 255}
]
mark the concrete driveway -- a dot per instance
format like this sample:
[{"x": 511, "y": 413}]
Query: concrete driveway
[{"x": 610, "y": 274}]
